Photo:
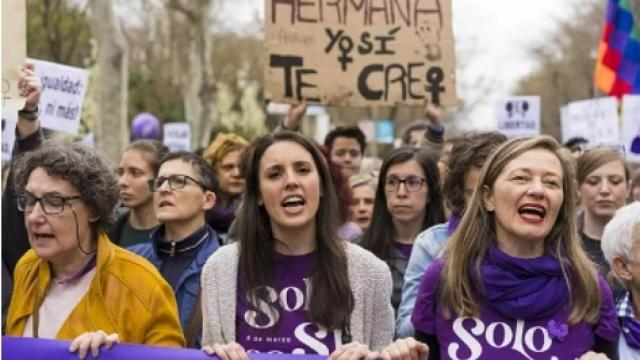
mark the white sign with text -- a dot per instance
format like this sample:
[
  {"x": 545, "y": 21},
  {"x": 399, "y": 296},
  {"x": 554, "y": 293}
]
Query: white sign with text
[
  {"x": 519, "y": 116},
  {"x": 9, "y": 121},
  {"x": 595, "y": 120},
  {"x": 177, "y": 136},
  {"x": 62, "y": 97},
  {"x": 631, "y": 127}
]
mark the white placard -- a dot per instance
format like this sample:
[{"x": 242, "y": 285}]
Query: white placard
[
  {"x": 595, "y": 120},
  {"x": 63, "y": 93},
  {"x": 177, "y": 136},
  {"x": 519, "y": 116},
  {"x": 9, "y": 121},
  {"x": 631, "y": 127}
]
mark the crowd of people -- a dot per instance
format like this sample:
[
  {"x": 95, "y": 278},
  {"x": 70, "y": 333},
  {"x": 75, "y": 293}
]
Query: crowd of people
[{"x": 477, "y": 247}]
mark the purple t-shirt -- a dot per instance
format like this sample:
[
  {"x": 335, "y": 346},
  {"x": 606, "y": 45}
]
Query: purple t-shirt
[
  {"x": 405, "y": 249},
  {"x": 493, "y": 336},
  {"x": 281, "y": 323}
]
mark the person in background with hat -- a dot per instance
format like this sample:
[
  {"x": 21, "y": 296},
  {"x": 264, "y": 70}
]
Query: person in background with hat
[{"x": 224, "y": 155}]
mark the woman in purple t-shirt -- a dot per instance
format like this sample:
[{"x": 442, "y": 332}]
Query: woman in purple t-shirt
[
  {"x": 514, "y": 282},
  {"x": 408, "y": 200},
  {"x": 291, "y": 285}
]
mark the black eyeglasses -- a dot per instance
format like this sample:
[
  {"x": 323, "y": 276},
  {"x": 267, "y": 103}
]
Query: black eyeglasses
[
  {"x": 49, "y": 203},
  {"x": 176, "y": 182},
  {"x": 411, "y": 183}
]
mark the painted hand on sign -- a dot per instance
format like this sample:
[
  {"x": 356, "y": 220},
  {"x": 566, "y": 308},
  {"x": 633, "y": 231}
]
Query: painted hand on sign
[
  {"x": 519, "y": 116},
  {"x": 517, "y": 107},
  {"x": 359, "y": 53}
]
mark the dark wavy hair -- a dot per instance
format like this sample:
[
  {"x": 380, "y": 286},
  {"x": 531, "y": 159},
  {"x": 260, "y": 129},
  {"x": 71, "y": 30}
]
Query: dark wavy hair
[
  {"x": 84, "y": 167},
  {"x": 380, "y": 235},
  {"x": 468, "y": 151},
  {"x": 331, "y": 300}
]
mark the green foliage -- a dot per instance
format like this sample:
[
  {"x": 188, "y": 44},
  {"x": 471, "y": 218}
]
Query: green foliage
[
  {"x": 152, "y": 94},
  {"x": 58, "y": 31}
]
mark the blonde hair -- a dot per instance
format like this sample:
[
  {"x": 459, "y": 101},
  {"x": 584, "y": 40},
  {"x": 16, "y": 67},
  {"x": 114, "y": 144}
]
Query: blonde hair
[
  {"x": 221, "y": 146},
  {"x": 476, "y": 233}
]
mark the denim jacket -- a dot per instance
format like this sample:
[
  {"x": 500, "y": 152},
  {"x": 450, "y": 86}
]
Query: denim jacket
[
  {"x": 426, "y": 249},
  {"x": 188, "y": 285}
]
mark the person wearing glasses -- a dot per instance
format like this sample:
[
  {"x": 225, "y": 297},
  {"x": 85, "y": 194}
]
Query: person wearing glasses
[
  {"x": 180, "y": 246},
  {"x": 75, "y": 284},
  {"x": 408, "y": 200}
]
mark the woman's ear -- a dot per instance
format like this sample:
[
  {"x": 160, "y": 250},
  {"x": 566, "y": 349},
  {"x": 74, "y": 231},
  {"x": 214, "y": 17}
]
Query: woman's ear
[
  {"x": 487, "y": 198},
  {"x": 621, "y": 269},
  {"x": 210, "y": 200}
]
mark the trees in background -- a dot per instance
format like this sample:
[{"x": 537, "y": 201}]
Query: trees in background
[{"x": 566, "y": 64}]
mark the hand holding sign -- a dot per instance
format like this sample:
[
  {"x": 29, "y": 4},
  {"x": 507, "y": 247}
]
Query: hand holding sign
[
  {"x": 93, "y": 340},
  {"x": 29, "y": 86},
  {"x": 433, "y": 112},
  {"x": 294, "y": 116},
  {"x": 231, "y": 351}
]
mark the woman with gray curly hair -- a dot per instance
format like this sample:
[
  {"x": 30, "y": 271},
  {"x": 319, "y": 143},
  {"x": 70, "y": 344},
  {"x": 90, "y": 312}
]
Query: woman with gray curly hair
[{"x": 74, "y": 283}]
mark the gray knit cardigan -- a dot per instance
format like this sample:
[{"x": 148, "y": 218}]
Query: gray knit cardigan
[{"x": 369, "y": 278}]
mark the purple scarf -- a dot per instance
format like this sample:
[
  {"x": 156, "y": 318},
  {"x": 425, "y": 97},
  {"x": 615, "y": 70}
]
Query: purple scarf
[
  {"x": 530, "y": 289},
  {"x": 454, "y": 221},
  {"x": 631, "y": 332}
]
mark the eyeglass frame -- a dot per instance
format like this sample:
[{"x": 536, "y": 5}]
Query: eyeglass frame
[
  {"x": 151, "y": 182},
  {"x": 403, "y": 181},
  {"x": 39, "y": 200}
]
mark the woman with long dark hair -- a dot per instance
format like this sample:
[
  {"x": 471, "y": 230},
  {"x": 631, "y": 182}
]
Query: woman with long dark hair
[
  {"x": 408, "y": 200},
  {"x": 291, "y": 285}
]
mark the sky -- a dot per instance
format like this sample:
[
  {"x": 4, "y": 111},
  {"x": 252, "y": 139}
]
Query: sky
[{"x": 492, "y": 40}]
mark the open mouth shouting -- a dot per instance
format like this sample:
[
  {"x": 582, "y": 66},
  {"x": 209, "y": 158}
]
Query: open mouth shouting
[
  {"x": 532, "y": 213},
  {"x": 293, "y": 204}
]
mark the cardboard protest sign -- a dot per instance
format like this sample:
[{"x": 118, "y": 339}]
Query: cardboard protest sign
[
  {"x": 631, "y": 127},
  {"x": 359, "y": 52},
  {"x": 177, "y": 136},
  {"x": 595, "y": 120},
  {"x": 519, "y": 116},
  {"x": 9, "y": 121},
  {"x": 63, "y": 90},
  {"x": 14, "y": 50}
]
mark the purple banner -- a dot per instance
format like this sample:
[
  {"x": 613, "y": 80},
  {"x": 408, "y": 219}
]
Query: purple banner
[{"x": 35, "y": 349}]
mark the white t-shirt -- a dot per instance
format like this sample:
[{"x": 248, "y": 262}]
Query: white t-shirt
[{"x": 58, "y": 304}]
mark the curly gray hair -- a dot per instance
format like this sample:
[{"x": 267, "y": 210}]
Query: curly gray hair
[{"x": 84, "y": 167}]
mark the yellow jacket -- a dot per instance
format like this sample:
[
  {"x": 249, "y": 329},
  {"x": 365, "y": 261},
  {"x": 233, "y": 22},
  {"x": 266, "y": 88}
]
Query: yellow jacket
[{"x": 127, "y": 296}]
